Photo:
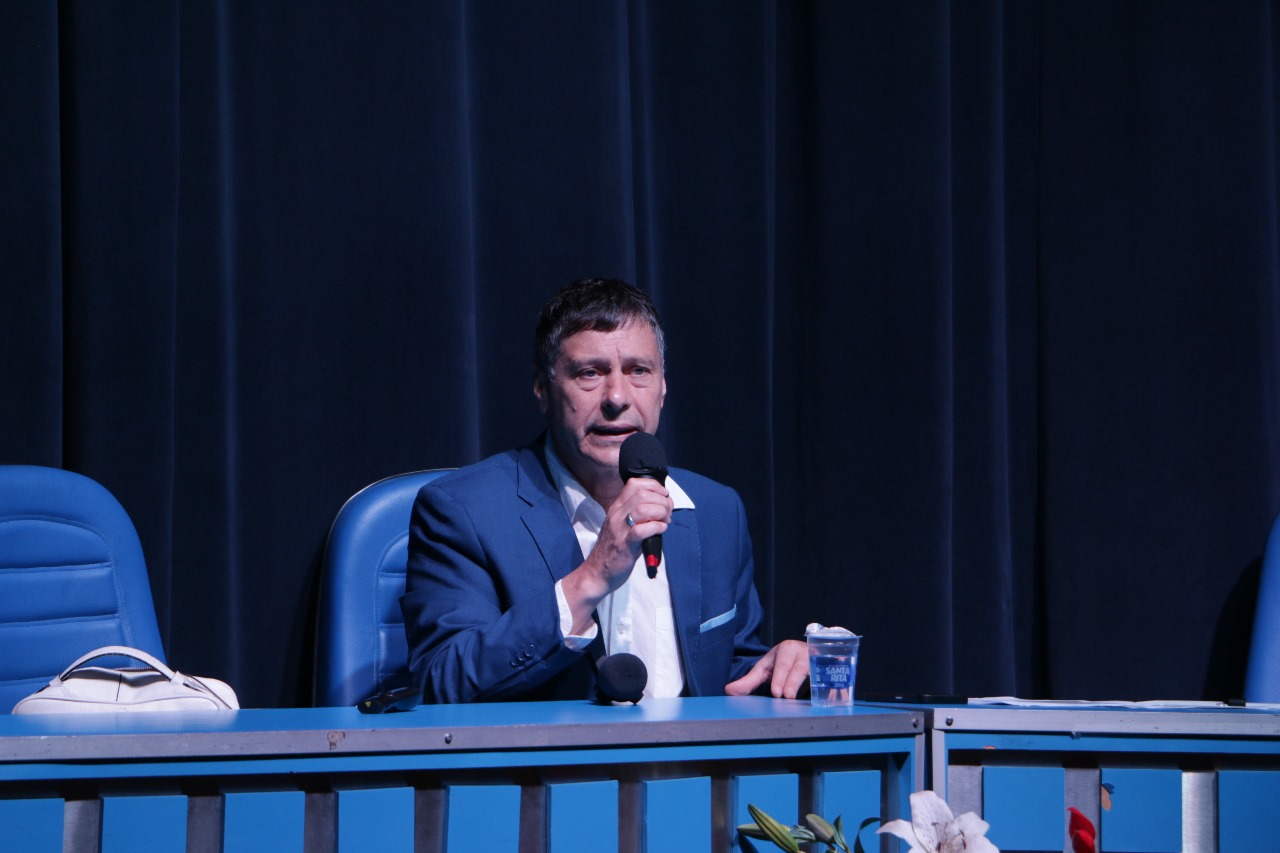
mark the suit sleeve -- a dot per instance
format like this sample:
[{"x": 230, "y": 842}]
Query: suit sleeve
[{"x": 474, "y": 633}]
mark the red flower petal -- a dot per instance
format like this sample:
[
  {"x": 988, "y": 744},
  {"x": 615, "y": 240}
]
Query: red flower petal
[
  {"x": 1079, "y": 821},
  {"x": 1082, "y": 842},
  {"x": 1081, "y": 832}
]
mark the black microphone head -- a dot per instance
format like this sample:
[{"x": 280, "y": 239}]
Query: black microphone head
[
  {"x": 621, "y": 678},
  {"x": 641, "y": 455}
]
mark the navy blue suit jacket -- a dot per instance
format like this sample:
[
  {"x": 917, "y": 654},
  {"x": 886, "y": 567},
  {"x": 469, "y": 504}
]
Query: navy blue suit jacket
[{"x": 487, "y": 544}]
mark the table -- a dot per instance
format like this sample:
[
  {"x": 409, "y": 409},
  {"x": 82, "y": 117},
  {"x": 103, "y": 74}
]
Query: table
[
  {"x": 554, "y": 776},
  {"x": 1195, "y": 780}
]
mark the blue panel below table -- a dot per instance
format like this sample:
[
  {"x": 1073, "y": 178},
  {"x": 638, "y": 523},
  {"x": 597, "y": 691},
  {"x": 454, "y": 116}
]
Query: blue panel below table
[
  {"x": 1247, "y": 805},
  {"x": 583, "y": 816},
  {"x": 1146, "y": 811},
  {"x": 144, "y": 824},
  {"x": 852, "y": 795},
  {"x": 777, "y": 795},
  {"x": 376, "y": 819},
  {"x": 31, "y": 825},
  {"x": 677, "y": 814},
  {"x": 1024, "y": 807},
  {"x": 484, "y": 817},
  {"x": 265, "y": 822}
]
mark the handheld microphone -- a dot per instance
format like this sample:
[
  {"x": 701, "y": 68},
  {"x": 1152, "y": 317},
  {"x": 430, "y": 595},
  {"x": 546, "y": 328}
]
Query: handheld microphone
[
  {"x": 620, "y": 678},
  {"x": 641, "y": 455}
]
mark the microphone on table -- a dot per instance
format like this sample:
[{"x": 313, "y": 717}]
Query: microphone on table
[
  {"x": 641, "y": 455},
  {"x": 387, "y": 701},
  {"x": 620, "y": 678}
]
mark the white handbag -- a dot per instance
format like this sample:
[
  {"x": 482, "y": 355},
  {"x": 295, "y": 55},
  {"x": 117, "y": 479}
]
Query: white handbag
[{"x": 84, "y": 689}]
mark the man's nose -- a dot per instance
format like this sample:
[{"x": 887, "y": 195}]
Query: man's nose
[{"x": 617, "y": 397}]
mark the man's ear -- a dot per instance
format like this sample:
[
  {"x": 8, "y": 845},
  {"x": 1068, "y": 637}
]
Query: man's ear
[{"x": 540, "y": 391}]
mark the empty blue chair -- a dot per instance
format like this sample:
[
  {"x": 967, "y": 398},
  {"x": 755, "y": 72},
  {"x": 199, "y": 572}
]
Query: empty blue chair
[
  {"x": 72, "y": 577},
  {"x": 360, "y": 643},
  {"x": 1262, "y": 683}
]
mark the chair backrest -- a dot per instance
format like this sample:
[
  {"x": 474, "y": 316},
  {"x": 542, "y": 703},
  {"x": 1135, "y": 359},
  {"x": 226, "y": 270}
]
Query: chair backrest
[
  {"x": 1262, "y": 683},
  {"x": 360, "y": 642},
  {"x": 72, "y": 577}
]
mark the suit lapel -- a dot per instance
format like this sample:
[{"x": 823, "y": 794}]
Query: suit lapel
[
  {"x": 545, "y": 518},
  {"x": 683, "y": 554}
]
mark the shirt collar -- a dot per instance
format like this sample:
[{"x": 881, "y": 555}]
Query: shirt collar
[{"x": 578, "y": 503}]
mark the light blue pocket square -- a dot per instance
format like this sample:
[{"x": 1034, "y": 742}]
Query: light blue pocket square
[{"x": 716, "y": 621}]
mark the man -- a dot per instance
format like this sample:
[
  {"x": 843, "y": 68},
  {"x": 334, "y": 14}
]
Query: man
[{"x": 522, "y": 568}]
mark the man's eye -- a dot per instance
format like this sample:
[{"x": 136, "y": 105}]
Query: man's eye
[
  {"x": 589, "y": 373},
  {"x": 639, "y": 371}
]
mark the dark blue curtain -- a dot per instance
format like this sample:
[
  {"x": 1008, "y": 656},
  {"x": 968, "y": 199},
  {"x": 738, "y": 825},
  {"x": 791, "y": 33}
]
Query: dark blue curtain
[{"x": 977, "y": 304}]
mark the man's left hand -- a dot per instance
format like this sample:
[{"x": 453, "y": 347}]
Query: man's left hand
[{"x": 785, "y": 667}]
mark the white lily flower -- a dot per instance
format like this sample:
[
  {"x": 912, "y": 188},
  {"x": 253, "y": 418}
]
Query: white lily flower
[{"x": 933, "y": 829}]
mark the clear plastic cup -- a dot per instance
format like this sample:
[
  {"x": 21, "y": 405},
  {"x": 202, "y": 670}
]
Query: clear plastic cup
[{"x": 833, "y": 666}]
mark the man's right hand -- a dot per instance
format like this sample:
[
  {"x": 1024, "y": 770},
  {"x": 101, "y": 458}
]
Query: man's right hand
[{"x": 617, "y": 549}]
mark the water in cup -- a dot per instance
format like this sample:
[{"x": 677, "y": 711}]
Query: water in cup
[{"x": 833, "y": 665}]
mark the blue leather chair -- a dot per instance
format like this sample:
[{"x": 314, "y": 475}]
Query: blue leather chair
[
  {"x": 1262, "y": 684},
  {"x": 360, "y": 643},
  {"x": 72, "y": 577}
]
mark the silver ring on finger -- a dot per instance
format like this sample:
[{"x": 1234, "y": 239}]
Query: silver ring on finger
[{"x": 631, "y": 522}]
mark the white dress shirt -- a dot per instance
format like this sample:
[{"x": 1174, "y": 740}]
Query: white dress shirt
[{"x": 637, "y": 616}]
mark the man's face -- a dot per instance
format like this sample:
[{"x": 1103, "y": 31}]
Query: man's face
[{"x": 604, "y": 387}]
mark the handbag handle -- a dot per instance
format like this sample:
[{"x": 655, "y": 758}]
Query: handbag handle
[
  {"x": 120, "y": 651},
  {"x": 154, "y": 663}
]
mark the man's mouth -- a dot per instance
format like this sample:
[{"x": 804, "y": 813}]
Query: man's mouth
[{"x": 612, "y": 430}]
